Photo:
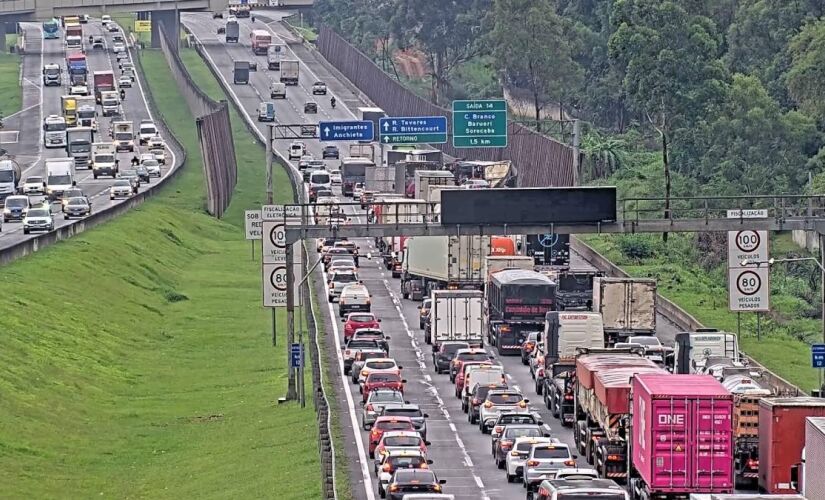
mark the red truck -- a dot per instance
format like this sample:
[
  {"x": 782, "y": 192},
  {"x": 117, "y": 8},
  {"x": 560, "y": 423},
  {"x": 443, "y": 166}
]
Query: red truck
[
  {"x": 261, "y": 40},
  {"x": 681, "y": 436},
  {"x": 103, "y": 81}
]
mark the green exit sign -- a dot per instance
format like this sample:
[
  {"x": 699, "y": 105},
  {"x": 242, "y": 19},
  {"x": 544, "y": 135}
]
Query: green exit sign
[{"x": 480, "y": 124}]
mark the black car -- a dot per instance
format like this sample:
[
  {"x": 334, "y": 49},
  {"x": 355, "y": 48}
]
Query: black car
[
  {"x": 406, "y": 481},
  {"x": 504, "y": 444},
  {"x": 143, "y": 174},
  {"x": 445, "y": 354},
  {"x": 477, "y": 397},
  {"x": 310, "y": 107},
  {"x": 330, "y": 152},
  {"x": 78, "y": 206}
]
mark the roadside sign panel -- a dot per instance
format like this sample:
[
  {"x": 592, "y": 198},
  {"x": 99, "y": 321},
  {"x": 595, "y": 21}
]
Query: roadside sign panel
[
  {"x": 274, "y": 242},
  {"x": 276, "y": 212},
  {"x": 748, "y": 213},
  {"x": 296, "y": 356},
  {"x": 818, "y": 355},
  {"x": 747, "y": 245},
  {"x": 274, "y": 285},
  {"x": 143, "y": 26},
  {"x": 253, "y": 224},
  {"x": 413, "y": 130},
  {"x": 749, "y": 289},
  {"x": 480, "y": 124},
  {"x": 347, "y": 131}
]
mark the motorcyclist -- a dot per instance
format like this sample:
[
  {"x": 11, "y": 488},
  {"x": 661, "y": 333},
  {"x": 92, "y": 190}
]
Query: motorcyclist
[
  {"x": 122, "y": 94},
  {"x": 135, "y": 161},
  {"x": 91, "y": 39},
  {"x": 253, "y": 19},
  {"x": 332, "y": 102}
]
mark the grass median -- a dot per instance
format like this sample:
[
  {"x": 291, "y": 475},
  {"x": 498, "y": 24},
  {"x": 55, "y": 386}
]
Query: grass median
[
  {"x": 137, "y": 359},
  {"x": 11, "y": 94}
]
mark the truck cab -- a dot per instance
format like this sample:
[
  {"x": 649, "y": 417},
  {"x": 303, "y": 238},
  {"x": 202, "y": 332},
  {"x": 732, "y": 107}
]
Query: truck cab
[
  {"x": 110, "y": 103},
  {"x": 124, "y": 136},
  {"x": 51, "y": 75},
  {"x": 79, "y": 145},
  {"x": 54, "y": 131},
  {"x": 59, "y": 178},
  {"x": 104, "y": 160}
]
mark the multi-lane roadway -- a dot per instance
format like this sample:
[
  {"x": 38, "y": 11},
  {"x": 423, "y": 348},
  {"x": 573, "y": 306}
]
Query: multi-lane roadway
[
  {"x": 40, "y": 101},
  {"x": 461, "y": 454}
]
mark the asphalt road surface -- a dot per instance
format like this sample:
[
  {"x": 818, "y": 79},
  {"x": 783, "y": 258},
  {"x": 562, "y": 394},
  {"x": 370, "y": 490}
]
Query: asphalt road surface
[{"x": 40, "y": 101}]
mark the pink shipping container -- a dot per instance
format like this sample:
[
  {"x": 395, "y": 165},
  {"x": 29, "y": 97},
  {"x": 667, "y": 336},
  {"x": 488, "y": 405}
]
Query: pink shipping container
[
  {"x": 613, "y": 387},
  {"x": 682, "y": 435},
  {"x": 782, "y": 437},
  {"x": 588, "y": 365}
]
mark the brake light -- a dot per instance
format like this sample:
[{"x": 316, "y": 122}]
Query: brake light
[
  {"x": 570, "y": 463},
  {"x": 753, "y": 464},
  {"x": 364, "y": 373},
  {"x": 331, "y": 285},
  {"x": 614, "y": 458},
  {"x": 394, "y": 488},
  {"x": 506, "y": 443},
  {"x": 488, "y": 404},
  {"x": 368, "y": 301},
  {"x": 568, "y": 397},
  {"x": 532, "y": 463},
  {"x": 423, "y": 465},
  {"x": 540, "y": 360},
  {"x": 504, "y": 328},
  {"x": 386, "y": 468},
  {"x": 347, "y": 352},
  {"x": 476, "y": 402},
  {"x": 369, "y": 407},
  {"x": 522, "y": 404},
  {"x": 514, "y": 453},
  {"x": 498, "y": 429},
  {"x": 455, "y": 362},
  {"x": 437, "y": 487},
  {"x": 375, "y": 433}
]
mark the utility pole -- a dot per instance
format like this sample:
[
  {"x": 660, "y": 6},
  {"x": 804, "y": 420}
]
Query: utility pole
[
  {"x": 291, "y": 393},
  {"x": 577, "y": 130}
]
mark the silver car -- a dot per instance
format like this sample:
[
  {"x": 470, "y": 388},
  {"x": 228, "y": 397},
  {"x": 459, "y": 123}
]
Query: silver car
[
  {"x": 38, "y": 219},
  {"x": 418, "y": 417},
  {"x": 338, "y": 281},
  {"x": 122, "y": 188},
  {"x": 499, "y": 402},
  {"x": 375, "y": 404},
  {"x": 544, "y": 460}
]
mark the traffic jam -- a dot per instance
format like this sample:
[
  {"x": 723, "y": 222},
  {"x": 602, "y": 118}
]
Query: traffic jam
[{"x": 628, "y": 415}]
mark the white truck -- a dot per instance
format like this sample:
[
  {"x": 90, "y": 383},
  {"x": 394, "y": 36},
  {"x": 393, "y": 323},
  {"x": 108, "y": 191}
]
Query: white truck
[
  {"x": 274, "y": 54},
  {"x": 627, "y": 306},
  {"x": 379, "y": 179},
  {"x": 59, "y": 177},
  {"x": 426, "y": 178},
  {"x": 123, "y": 134},
  {"x": 289, "y": 72},
  {"x": 433, "y": 262},
  {"x": 104, "y": 159},
  {"x": 693, "y": 349},
  {"x": 79, "y": 145},
  {"x": 455, "y": 315},
  {"x": 9, "y": 179},
  {"x": 54, "y": 131},
  {"x": 110, "y": 103}
]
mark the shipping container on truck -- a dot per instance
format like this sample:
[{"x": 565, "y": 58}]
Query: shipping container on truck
[
  {"x": 782, "y": 437},
  {"x": 372, "y": 115},
  {"x": 517, "y": 302},
  {"x": 260, "y": 41},
  {"x": 232, "y": 31},
  {"x": 681, "y": 436},
  {"x": 68, "y": 108},
  {"x": 565, "y": 333},
  {"x": 694, "y": 348},
  {"x": 574, "y": 290},
  {"x": 379, "y": 179},
  {"x": 601, "y": 406},
  {"x": 77, "y": 68},
  {"x": 445, "y": 262},
  {"x": 425, "y": 178},
  {"x": 627, "y": 306},
  {"x": 745, "y": 496},
  {"x": 289, "y": 72},
  {"x": 74, "y": 36},
  {"x": 103, "y": 81},
  {"x": 811, "y": 479},
  {"x": 455, "y": 315}
]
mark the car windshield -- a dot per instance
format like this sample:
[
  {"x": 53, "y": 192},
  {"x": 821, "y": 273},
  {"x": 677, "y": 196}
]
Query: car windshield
[
  {"x": 381, "y": 365},
  {"x": 383, "y": 377},
  {"x": 16, "y": 202},
  {"x": 522, "y": 432},
  {"x": 452, "y": 348},
  {"x": 77, "y": 201},
  {"x": 362, "y": 318},
  {"x": 55, "y": 126},
  {"x": 402, "y": 441},
  {"x": 320, "y": 178},
  {"x": 39, "y": 212},
  {"x": 344, "y": 277},
  {"x": 524, "y": 446},
  {"x": 386, "y": 397},
  {"x": 474, "y": 356},
  {"x": 7, "y": 175},
  {"x": 403, "y": 412},
  {"x": 353, "y": 344},
  {"x": 415, "y": 475},
  {"x": 516, "y": 419},
  {"x": 73, "y": 192},
  {"x": 406, "y": 462},
  {"x": 122, "y": 183},
  {"x": 34, "y": 180},
  {"x": 482, "y": 391},
  {"x": 389, "y": 425},
  {"x": 551, "y": 452}
]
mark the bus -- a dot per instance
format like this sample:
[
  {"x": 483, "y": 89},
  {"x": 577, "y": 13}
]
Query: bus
[
  {"x": 353, "y": 171},
  {"x": 51, "y": 29}
]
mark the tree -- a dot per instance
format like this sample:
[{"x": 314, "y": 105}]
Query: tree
[
  {"x": 448, "y": 32},
  {"x": 533, "y": 50},
  {"x": 672, "y": 74},
  {"x": 806, "y": 77}
]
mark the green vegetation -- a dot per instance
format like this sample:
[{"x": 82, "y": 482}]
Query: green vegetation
[
  {"x": 137, "y": 359},
  {"x": 302, "y": 28},
  {"x": 11, "y": 94}
]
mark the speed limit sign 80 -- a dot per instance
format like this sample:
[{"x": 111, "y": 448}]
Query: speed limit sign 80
[{"x": 749, "y": 289}]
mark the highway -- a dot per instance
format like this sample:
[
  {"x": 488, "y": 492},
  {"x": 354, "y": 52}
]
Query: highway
[
  {"x": 461, "y": 454},
  {"x": 40, "y": 101}
]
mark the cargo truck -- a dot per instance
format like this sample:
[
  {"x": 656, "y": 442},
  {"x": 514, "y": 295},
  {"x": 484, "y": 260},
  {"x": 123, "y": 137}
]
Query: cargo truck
[
  {"x": 782, "y": 438},
  {"x": 289, "y": 72},
  {"x": 455, "y": 315},
  {"x": 54, "y": 131},
  {"x": 353, "y": 171},
  {"x": 68, "y": 107},
  {"x": 602, "y": 406},
  {"x": 103, "y": 81},
  {"x": 379, "y": 179},
  {"x": 76, "y": 68},
  {"x": 373, "y": 115},
  {"x": 260, "y": 41},
  {"x": 813, "y": 483},
  {"x": 694, "y": 348},
  {"x": 123, "y": 134},
  {"x": 565, "y": 333},
  {"x": 74, "y": 36},
  {"x": 443, "y": 262},
  {"x": 51, "y": 75},
  {"x": 549, "y": 249},
  {"x": 574, "y": 289},
  {"x": 110, "y": 103},
  {"x": 240, "y": 73},
  {"x": 627, "y": 306},
  {"x": 79, "y": 145},
  {"x": 232, "y": 31},
  {"x": 9, "y": 179},
  {"x": 517, "y": 302},
  {"x": 274, "y": 54},
  {"x": 681, "y": 437},
  {"x": 104, "y": 159},
  {"x": 423, "y": 179},
  {"x": 59, "y": 177}
]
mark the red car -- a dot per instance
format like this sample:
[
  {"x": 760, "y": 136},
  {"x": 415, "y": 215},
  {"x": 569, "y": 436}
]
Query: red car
[
  {"x": 357, "y": 320},
  {"x": 383, "y": 424},
  {"x": 459, "y": 376},
  {"x": 382, "y": 380}
]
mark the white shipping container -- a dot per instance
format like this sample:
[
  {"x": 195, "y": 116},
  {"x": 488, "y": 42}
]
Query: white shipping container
[
  {"x": 626, "y": 304},
  {"x": 449, "y": 259},
  {"x": 400, "y": 211},
  {"x": 457, "y": 315},
  {"x": 426, "y": 178},
  {"x": 813, "y": 480}
]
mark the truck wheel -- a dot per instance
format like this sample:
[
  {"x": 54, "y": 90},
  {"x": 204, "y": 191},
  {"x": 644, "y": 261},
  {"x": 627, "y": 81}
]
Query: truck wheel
[
  {"x": 427, "y": 338},
  {"x": 95, "y": 175},
  {"x": 538, "y": 387},
  {"x": 405, "y": 295}
]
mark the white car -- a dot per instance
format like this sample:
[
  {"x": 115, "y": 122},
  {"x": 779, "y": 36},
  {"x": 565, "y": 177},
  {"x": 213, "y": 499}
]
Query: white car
[
  {"x": 122, "y": 188},
  {"x": 378, "y": 365},
  {"x": 544, "y": 460},
  {"x": 105, "y": 19},
  {"x": 357, "y": 191},
  {"x": 146, "y": 131},
  {"x": 38, "y": 219},
  {"x": 152, "y": 166},
  {"x": 338, "y": 281},
  {"x": 296, "y": 150},
  {"x": 113, "y": 28},
  {"x": 303, "y": 162},
  {"x": 16, "y": 207},
  {"x": 124, "y": 82},
  {"x": 335, "y": 177},
  {"x": 514, "y": 463},
  {"x": 353, "y": 298},
  {"x": 503, "y": 400},
  {"x": 79, "y": 90},
  {"x": 34, "y": 185},
  {"x": 118, "y": 47}
]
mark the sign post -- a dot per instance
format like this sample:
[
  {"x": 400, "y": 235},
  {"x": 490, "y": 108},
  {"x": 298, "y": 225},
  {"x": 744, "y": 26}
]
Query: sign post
[
  {"x": 818, "y": 360},
  {"x": 346, "y": 131},
  {"x": 748, "y": 284},
  {"x": 480, "y": 124},
  {"x": 413, "y": 130},
  {"x": 253, "y": 227}
]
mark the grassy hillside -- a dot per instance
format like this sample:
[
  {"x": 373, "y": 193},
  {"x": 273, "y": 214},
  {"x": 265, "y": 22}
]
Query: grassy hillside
[
  {"x": 137, "y": 359},
  {"x": 11, "y": 95}
]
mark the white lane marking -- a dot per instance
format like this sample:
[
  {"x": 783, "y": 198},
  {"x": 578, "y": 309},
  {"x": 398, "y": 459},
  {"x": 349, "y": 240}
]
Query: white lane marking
[{"x": 478, "y": 482}]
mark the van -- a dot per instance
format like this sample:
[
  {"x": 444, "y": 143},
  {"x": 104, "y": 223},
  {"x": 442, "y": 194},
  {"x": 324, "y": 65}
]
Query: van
[
  {"x": 480, "y": 374},
  {"x": 319, "y": 179},
  {"x": 266, "y": 112},
  {"x": 353, "y": 298},
  {"x": 277, "y": 90}
]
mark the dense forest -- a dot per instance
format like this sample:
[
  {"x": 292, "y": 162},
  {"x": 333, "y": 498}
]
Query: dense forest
[{"x": 729, "y": 93}]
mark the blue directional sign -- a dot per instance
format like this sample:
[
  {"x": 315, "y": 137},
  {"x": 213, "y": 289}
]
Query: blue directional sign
[
  {"x": 347, "y": 131},
  {"x": 413, "y": 130},
  {"x": 818, "y": 355},
  {"x": 296, "y": 356}
]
